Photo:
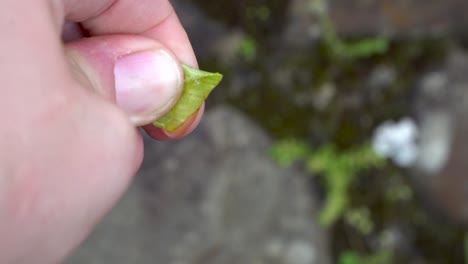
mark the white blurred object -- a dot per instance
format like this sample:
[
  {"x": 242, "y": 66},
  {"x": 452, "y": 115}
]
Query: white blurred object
[{"x": 397, "y": 141}]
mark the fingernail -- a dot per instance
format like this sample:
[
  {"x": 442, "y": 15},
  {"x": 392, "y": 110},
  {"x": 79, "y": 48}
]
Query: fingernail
[{"x": 147, "y": 84}]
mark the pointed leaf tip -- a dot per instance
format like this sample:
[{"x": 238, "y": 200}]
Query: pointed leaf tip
[{"x": 197, "y": 86}]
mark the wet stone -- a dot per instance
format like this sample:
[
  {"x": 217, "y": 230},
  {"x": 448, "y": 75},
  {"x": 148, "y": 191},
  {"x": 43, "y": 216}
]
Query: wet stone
[{"x": 214, "y": 197}]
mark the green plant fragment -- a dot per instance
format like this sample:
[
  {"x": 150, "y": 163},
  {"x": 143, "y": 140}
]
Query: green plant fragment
[{"x": 197, "y": 86}]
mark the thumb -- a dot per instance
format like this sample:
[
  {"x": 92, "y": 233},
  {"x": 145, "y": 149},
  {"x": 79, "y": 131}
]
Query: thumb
[{"x": 139, "y": 74}]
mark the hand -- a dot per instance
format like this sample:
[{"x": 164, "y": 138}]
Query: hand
[{"x": 68, "y": 137}]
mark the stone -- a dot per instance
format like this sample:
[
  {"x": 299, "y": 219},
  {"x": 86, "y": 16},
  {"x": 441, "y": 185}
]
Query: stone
[
  {"x": 394, "y": 19},
  {"x": 399, "y": 17},
  {"x": 382, "y": 77},
  {"x": 440, "y": 106},
  {"x": 213, "y": 197}
]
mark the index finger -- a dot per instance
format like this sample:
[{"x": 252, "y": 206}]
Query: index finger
[{"x": 155, "y": 19}]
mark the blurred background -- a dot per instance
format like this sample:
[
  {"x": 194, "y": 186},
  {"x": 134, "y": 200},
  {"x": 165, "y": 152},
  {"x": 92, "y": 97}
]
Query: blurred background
[{"x": 336, "y": 136}]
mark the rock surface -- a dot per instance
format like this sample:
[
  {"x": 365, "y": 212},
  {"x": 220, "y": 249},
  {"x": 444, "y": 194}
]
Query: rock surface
[
  {"x": 392, "y": 18},
  {"x": 214, "y": 197},
  {"x": 400, "y": 17},
  {"x": 441, "y": 107}
]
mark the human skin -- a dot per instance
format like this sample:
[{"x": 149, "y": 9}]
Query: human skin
[{"x": 70, "y": 113}]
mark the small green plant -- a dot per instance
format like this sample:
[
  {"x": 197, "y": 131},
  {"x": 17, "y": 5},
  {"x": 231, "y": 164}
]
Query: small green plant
[
  {"x": 379, "y": 257},
  {"x": 360, "y": 219},
  {"x": 359, "y": 49},
  {"x": 288, "y": 151},
  {"x": 248, "y": 48},
  {"x": 337, "y": 168},
  {"x": 261, "y": 13}
]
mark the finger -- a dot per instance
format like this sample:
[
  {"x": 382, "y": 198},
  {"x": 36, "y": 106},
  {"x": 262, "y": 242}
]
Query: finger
[
  {"x": 142, "y": 76},
  {"x": 72, "y": 32},
  {"x": 152, "y": 18}
]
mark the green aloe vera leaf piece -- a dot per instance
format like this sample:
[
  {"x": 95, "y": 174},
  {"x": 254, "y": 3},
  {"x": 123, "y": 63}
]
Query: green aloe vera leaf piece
[{"x": 197, "y": 86}]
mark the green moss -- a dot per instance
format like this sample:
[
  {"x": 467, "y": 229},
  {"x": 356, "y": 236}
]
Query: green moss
[{"x": 337, "y": 168}]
